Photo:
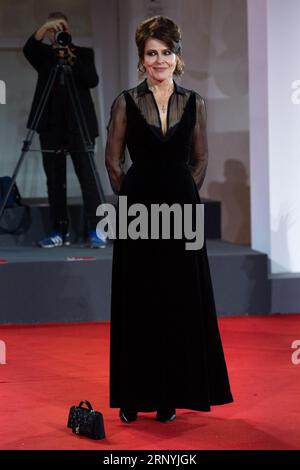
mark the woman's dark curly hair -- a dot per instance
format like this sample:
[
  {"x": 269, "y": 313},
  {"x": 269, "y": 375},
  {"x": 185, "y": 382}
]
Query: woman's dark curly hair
[{"x": 164, "y": 29}]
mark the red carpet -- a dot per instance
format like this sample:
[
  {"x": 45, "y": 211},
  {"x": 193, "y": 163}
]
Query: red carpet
[{"x": 50, "y": 368}]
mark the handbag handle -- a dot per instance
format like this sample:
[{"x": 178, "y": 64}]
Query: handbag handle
[{"x": 87, "y": 403}]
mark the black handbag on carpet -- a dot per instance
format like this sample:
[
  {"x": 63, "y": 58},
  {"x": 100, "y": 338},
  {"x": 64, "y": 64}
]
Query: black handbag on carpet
[{"x": 86, "y": 421}]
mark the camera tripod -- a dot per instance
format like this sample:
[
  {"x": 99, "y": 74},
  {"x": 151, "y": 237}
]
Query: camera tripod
[{"x": 64, "y": 71}]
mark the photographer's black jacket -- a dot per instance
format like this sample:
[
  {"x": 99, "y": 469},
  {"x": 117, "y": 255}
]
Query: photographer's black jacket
[{"x": 58, "y": 111}]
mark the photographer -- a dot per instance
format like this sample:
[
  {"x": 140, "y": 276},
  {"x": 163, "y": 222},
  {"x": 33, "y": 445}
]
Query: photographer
[{"x": 58, "y": 129}]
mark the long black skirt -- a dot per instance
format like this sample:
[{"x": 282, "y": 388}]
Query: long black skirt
[{"x": 165, "y": 348}]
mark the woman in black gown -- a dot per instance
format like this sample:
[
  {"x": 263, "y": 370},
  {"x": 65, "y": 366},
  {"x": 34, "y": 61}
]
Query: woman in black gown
[{"x": 165, "y": 350}]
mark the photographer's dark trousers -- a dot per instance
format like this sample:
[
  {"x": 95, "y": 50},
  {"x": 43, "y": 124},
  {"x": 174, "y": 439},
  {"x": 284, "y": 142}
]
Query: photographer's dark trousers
[{"x": 55, "y": 169}]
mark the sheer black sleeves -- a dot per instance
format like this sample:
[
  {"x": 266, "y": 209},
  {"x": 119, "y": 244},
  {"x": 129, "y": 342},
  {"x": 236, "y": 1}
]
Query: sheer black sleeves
[
  {"x": 117, "y": 130},
  {"x": 199, "y": 153},
  {"x": 116, "y": 143}
]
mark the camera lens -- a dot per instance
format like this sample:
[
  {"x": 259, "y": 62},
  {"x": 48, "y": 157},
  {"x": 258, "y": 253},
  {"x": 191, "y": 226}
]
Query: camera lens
[{"x": 63, "y": 38}]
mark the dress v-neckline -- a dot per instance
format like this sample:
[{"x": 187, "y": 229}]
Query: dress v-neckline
[
  {"x": 158, "y": 113},
  {"x": 162, "y": 136}
]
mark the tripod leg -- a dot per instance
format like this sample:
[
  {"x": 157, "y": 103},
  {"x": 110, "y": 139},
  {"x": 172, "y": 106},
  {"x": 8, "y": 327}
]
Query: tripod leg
[
  {"x": 44, "y": 97},
  {"x": 83, "y": 129},
  {"x": 14, "y": 176},
  {"x": 30, "y": 134},
  {"x": 84, "y": 134}
]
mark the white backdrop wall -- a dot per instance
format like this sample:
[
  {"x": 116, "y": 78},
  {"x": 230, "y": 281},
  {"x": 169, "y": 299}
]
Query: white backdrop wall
[
  {"x": 274, "y": 66},
  {"x": 216, "y": 56},
  {"x": 18, "y": 20},
  {"x": 284, "y": 134}
]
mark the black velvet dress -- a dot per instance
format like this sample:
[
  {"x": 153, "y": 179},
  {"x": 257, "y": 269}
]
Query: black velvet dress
[{"x": 165, "y": 348}]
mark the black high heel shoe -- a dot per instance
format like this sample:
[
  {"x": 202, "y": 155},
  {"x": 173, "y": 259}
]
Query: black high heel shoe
[
  {"x": 127, "y": 416},
  {"x": 166, "y": 415}
]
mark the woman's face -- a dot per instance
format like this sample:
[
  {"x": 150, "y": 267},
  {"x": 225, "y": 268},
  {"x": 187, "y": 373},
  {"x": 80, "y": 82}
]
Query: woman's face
[{"x": 159, "y": 60}]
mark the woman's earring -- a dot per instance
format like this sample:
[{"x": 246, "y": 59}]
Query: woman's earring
[{"x": 141, "y": 68}]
